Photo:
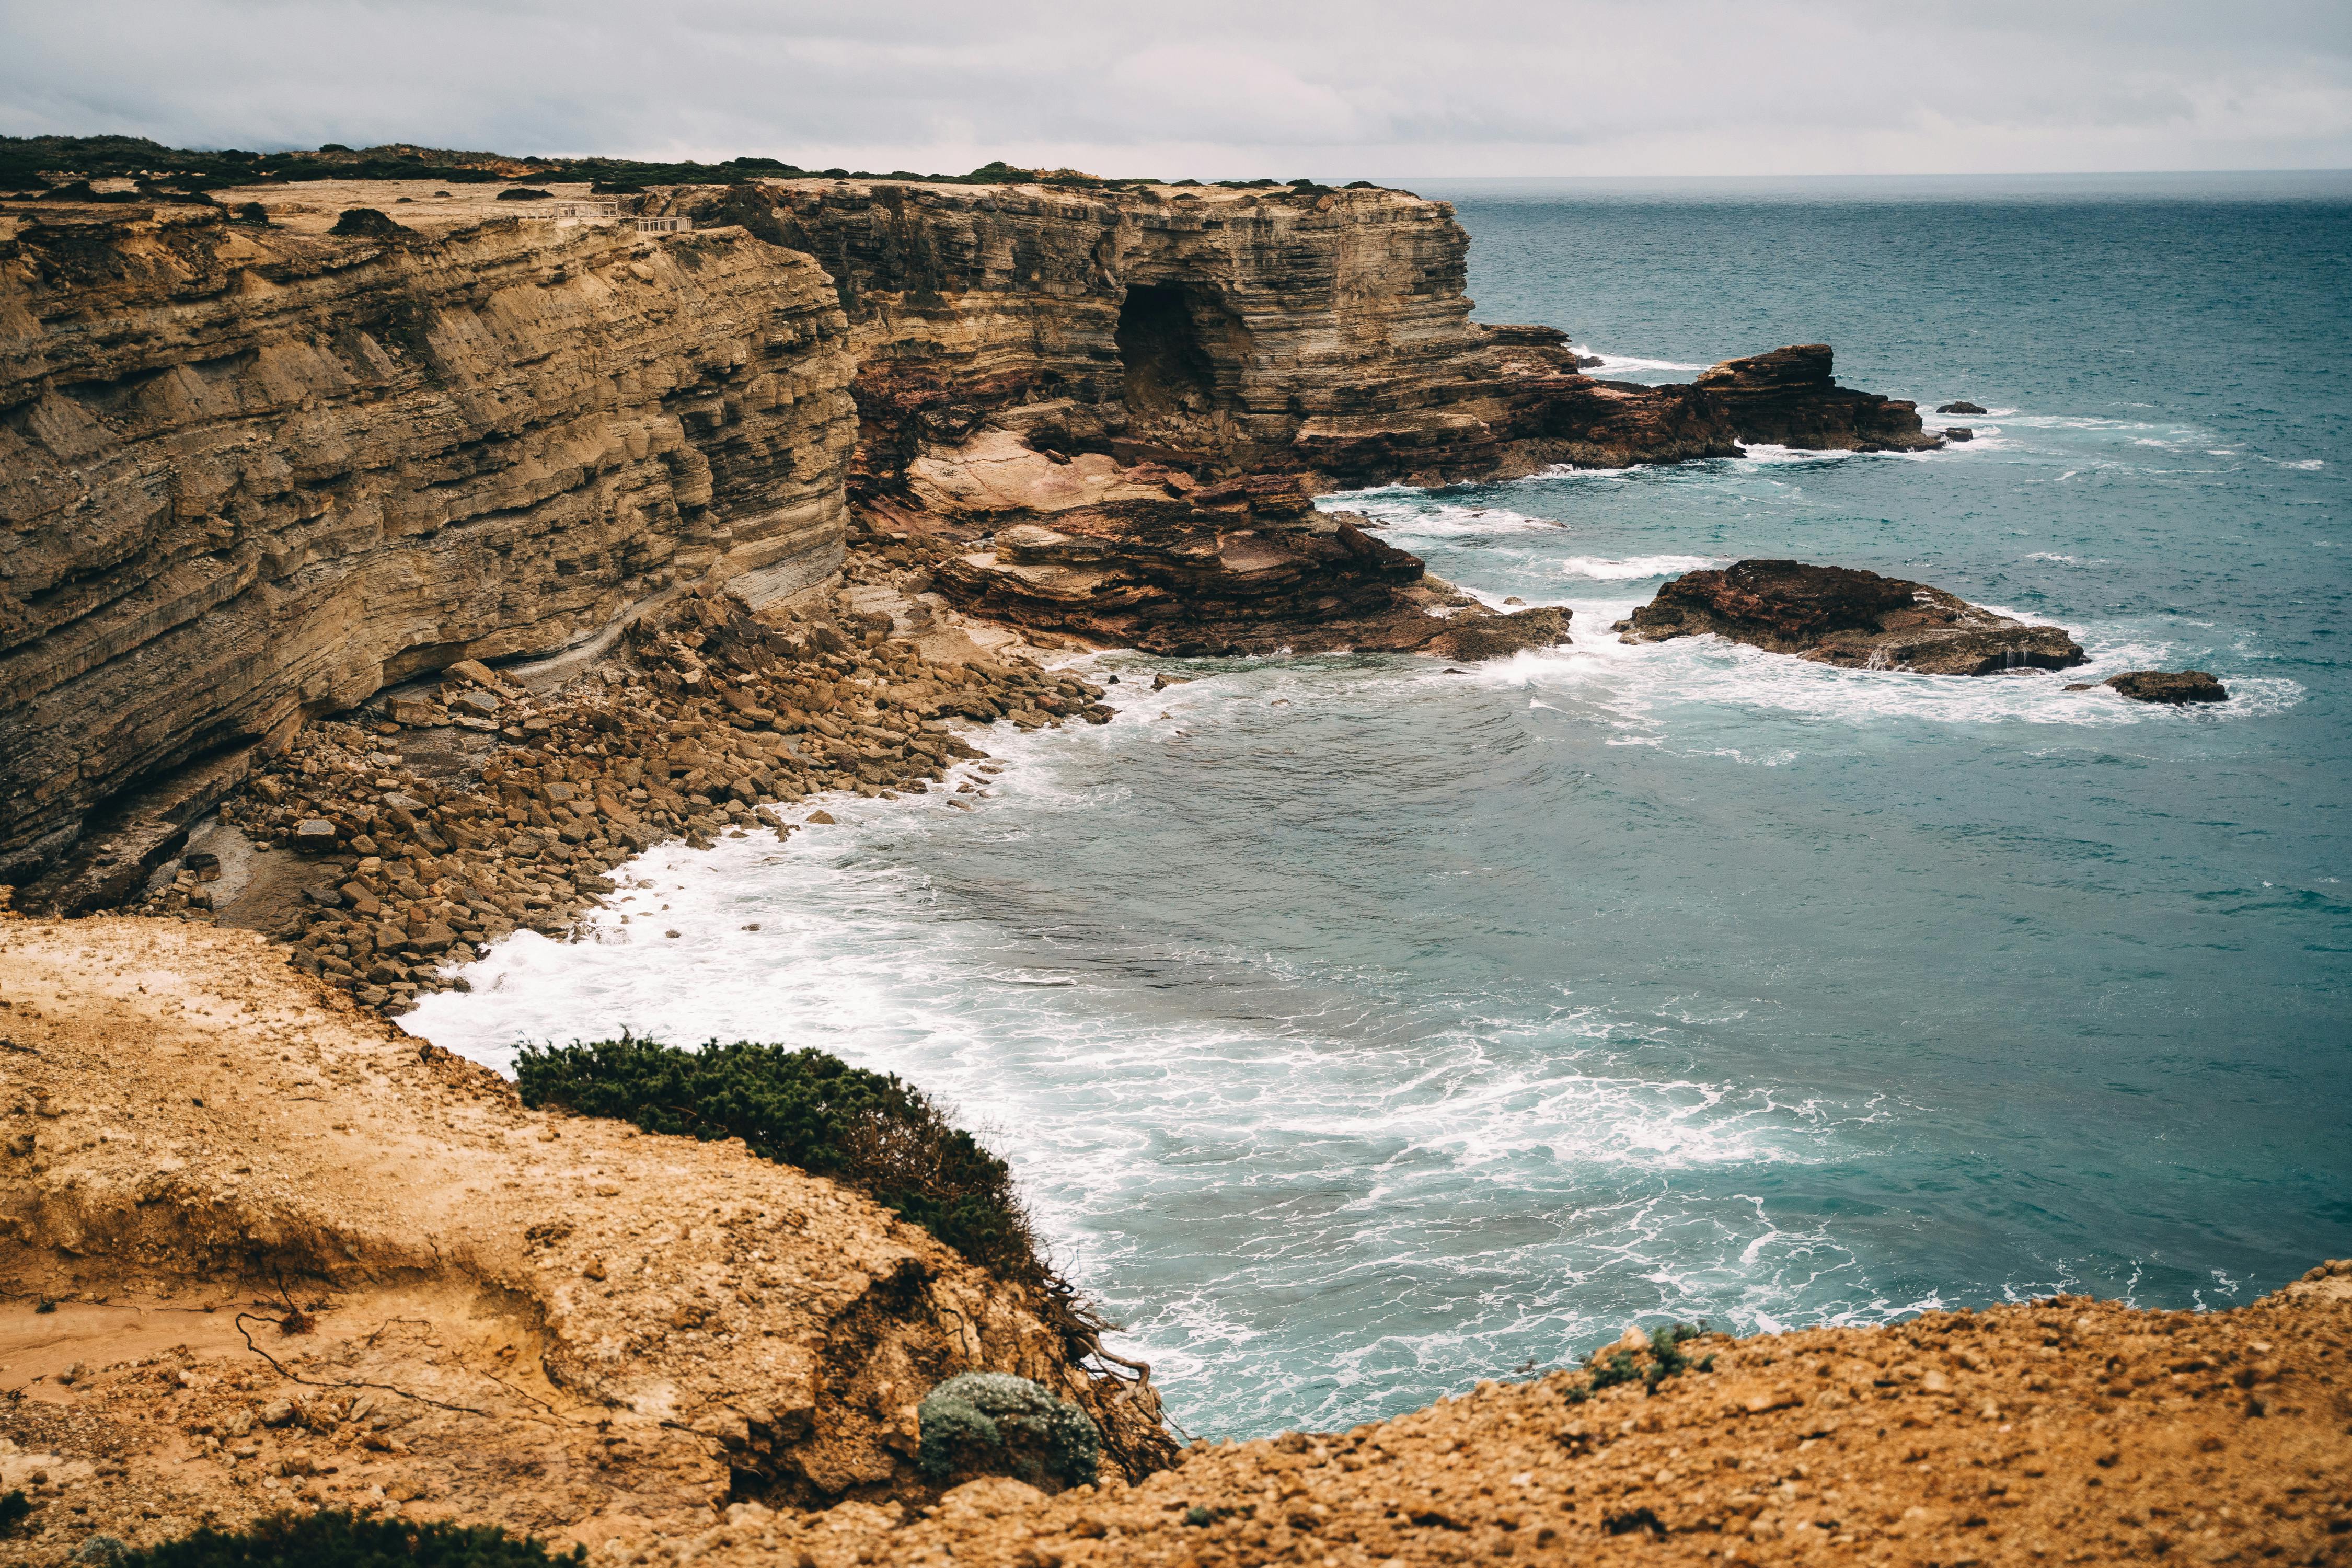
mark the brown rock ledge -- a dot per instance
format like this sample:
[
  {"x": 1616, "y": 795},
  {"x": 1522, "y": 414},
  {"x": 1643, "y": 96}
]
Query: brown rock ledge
[
  {"x": 549, "y": 1323},
  {"x": 1834, "y": 615}
]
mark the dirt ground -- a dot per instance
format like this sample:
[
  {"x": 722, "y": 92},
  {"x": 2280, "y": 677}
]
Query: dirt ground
[{"x": 673, "y": 1352}]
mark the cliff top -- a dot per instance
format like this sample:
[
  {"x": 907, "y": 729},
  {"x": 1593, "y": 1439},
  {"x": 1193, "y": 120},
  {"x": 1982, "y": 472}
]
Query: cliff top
[{"x": 297, "y": 1260}]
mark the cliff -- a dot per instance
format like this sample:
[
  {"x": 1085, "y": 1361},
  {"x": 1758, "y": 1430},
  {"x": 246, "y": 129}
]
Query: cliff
[
  {"x": 254, "y": 472},
  {"x": 1322, "y": 332}
]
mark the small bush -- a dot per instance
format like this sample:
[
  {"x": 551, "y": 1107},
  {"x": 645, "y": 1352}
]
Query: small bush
[
  {"x": 15, "y": 1506},
  {"x": 809, "y": 1108},
  {"x": 526, "y": 194},
  {"x": 992, "y": 1423},
  {"x": 367, "y": 222},
  {"x": 343, "y": 1541}
]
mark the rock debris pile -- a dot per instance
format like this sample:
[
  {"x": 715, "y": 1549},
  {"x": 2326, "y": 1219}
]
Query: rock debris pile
[{"x": 710, "y": 721}]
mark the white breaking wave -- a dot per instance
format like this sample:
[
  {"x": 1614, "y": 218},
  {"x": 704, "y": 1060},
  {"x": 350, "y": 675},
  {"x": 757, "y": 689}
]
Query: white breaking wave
[
  {"x": 1634, "y": 567},
  {"x": 1408, "y": 513},
  {"x": 1626, "y": 362}
]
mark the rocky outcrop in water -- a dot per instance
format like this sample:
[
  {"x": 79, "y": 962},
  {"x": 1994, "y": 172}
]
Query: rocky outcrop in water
[
  {"x": 1788, "y": 398},
  {"x": 253, "y": 473},
  {"x": 1834, "y": 615},
  {"x": 2168, "y": 686}
]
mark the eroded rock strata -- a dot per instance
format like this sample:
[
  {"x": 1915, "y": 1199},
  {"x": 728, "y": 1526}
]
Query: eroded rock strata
[
  {"x": 1834, "y": 615},
  {"x": 1788, "y": 398},
  {"x": 254, "y": 469},
  {"x": 254, "y": 472}
]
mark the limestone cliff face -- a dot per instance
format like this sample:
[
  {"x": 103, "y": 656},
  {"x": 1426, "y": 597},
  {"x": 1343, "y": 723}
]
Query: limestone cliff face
[
  {"x": 252, "y": 472},
  {"x": 1327, "y": 334}
]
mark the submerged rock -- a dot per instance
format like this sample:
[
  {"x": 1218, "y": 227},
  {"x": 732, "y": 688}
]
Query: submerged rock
[
  {"x": 1834, "y": 614},
  {"x": 2168, "y": 686}
]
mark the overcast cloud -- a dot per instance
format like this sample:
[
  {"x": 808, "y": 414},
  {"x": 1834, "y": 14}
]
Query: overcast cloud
[{"x": 1220, "y": 91}]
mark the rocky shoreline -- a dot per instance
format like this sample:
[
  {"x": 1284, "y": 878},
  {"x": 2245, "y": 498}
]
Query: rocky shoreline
[{"x": 415, "y": 833}]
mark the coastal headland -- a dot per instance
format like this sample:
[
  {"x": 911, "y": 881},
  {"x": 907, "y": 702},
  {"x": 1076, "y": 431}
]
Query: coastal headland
[{"x": 387, "y": 561}]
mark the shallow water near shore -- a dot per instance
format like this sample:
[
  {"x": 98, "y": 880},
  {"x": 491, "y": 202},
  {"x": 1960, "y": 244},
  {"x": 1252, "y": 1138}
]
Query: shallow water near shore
[{"x": 1359, "y": 1028}]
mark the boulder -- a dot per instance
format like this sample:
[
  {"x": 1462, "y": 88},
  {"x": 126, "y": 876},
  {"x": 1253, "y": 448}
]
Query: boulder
[
  {"x": 2168, "y": 686},
  {"x": 1962, "y": 406},
  {"x": 1834, "y": 615},
  {"x": 1958, "y": 432}
]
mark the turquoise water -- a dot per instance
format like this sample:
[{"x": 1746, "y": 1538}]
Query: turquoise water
[{"x": 1360, "y": 1028}]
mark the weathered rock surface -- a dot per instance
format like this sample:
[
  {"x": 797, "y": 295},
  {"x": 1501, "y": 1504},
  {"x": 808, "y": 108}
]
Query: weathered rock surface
[
  {"x": 1788, "y": 398},
  {"x": 1323, "y": 332},
  {"x": 1175, "y": 577},
  {"x": 508, "y": 1316},
  {"x": 2168, "y": 686},
  {"x": 255, "y": 471},
  {"x": 251, "y": 473},
  {"x": 1834, "y": 615}
]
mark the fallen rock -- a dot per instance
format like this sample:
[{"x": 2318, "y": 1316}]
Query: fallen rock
[
  {"x": 2168, "y": 686},
  {"x": 1960, "y": 408},
  {"x": 1860, "y": 620},
  {"x": 1958, "y": 432}
]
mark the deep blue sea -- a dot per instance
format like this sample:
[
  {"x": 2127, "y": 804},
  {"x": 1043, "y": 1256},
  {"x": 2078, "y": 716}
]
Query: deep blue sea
[{"x": 1360, "y": 1028}]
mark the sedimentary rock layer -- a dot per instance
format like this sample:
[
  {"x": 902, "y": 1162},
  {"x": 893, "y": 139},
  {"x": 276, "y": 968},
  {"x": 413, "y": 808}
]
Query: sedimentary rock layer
[
  {"x": 1834, "y": 615},
  {"x": 1325, "y": 333},
  {"x": 1788, "y": 398},
  {"x": 249, "y": 472}
]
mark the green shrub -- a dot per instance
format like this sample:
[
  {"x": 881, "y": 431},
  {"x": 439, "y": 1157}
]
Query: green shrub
[
  {"x": 367, "y": 222},
  {"x": 343, "y": 1541},
  {"x": 15, "y": 1506},
  {"x": 992, "y": 1422},
  {"x": 805, "y": 1108}
]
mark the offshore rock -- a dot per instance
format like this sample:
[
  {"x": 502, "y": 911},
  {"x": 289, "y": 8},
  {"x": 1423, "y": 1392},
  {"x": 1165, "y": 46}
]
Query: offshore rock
[
  {"x": 251, "y": 474},
  {"x": 1860, "y": 620},
  {"x": 2168, "y": 686},
  {"x": 1788, "y": 398}
]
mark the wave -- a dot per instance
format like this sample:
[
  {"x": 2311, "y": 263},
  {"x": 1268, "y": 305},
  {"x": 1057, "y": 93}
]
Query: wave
[
  {"x": 1409, "y": 511},
  {"x": 1635, "y": 566},
  {"x": 1610, "y": 362}
]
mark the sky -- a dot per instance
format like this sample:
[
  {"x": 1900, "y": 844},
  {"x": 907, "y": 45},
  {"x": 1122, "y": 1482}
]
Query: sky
[{"x": 1215, "y": 90}]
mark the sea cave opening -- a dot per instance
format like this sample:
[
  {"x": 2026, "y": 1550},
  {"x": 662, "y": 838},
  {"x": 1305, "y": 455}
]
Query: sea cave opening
[{"x": 1168, "y": 370}]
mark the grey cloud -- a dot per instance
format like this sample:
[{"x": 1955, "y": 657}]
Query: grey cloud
[{"x": 1219, "y": 88}]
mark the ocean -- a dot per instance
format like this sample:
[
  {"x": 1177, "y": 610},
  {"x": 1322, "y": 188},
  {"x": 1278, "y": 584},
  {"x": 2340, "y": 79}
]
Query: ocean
[{"x": 1362, "y": 1026}]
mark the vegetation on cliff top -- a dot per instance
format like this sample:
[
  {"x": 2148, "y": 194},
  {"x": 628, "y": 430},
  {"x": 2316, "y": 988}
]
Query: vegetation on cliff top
[
  {"x": 866, "y": 1130},
  {"x": 34, "y": 162}
]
